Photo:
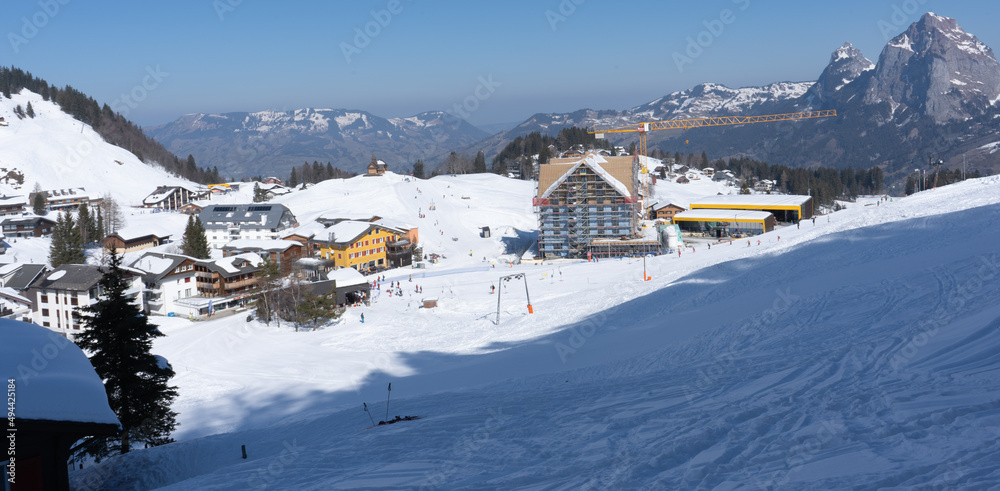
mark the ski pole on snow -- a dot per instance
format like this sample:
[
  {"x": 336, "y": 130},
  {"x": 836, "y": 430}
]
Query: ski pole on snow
[
  {"x": 387, "y": 403},
  {"x": 369, "y": 413}
]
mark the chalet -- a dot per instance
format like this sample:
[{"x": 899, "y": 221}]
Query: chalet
[
  {"x": 273, "y": 190},
  {"x": 359, "y": 245},
  {"x": 377, "y": 167},
  {"x": 226, "y": 223},
  {"x": 125, "y": 242},
  {"x": 27, "y": 226},
  {"x": 59, "y": 294},
  {"x": 665, "y": 211},
  {"x": 167, "y": 278},
  {"x": 272, "y": 180},
  {"x": 13, "y": 205},
  {"x": 764, "y": 186},
  {"x": 191, "y": 209},
  {"x": 182, "y": 285},
  {"x": 709, "y": 172},
  {"x": 168, "y": 198},
  {"x": 59, "y": 402},
  {"x": 683, "y": 180},
  {"x": 68, "y": 199},
  {"x": 284, "y": 253}
]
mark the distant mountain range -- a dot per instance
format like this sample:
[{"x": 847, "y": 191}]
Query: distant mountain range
[
  {"x": 934, "y": 93},
  {"x": 272, "y": 142}
]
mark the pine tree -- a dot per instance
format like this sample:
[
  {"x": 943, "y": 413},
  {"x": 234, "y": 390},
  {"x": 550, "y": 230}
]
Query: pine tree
[
  {"x": 30, "y": 111},
  {"x": 38, "y": 203},
  {"x": 57, "y": 248},
  {"x": 418, "y": 169},
  {"x": 195, "y": 240},
  {"x": 120, "y": 338},
  {"x": 67, "y": 244},
  {"x": 75, "y": 253},
  {"x": 293, "y": 180},
  {"x": 85, "y": 224},
  {"x": 479, "y": 165},
  {"x": 259, "y": 195},
  {"x": 100, "y": 222},
  {"x": 267, "y": 285}
]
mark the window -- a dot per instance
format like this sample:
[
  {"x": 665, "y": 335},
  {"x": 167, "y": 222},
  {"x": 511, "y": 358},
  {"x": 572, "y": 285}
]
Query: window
[
  {"x": 45, "y": 312},
  {"x": 44, "y": 298},
  {"x": 187, "y": 280},
  {"x": 74, "y": 301}
]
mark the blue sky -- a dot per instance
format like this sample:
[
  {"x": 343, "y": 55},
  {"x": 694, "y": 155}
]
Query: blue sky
[{"x": 540, "y": 56}]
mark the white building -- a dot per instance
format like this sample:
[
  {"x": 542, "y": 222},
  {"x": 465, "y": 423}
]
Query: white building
[
  {"x": 60, "y": 293},
  {"x": 226, "y": 223}
]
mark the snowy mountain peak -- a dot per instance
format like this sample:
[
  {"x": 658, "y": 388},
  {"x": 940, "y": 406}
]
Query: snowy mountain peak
[{"x": 847, "y": 63}]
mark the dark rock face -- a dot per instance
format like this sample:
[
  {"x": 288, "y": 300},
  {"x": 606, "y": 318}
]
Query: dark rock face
[{"x": 938, "y": 70}]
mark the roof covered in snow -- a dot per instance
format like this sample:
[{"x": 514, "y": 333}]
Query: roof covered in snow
[
  {"x": 722, "y": 215},
  {"x": 753, "y": 200},
  {"x": 260, "y": 245},
  {"x": 346, "y": 277},
  {"x": 60, "y": 387}
]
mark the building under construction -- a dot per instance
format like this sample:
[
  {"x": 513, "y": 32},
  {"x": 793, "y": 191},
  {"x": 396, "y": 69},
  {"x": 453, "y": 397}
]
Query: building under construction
[{"x": 584, "y": 199}]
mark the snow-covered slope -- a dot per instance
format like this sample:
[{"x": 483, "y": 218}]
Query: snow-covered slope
[
  {"x": 848, "y": 353},
  {"x": 59, "y": 152}
]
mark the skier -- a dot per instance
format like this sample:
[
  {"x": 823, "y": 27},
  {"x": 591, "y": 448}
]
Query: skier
[
  {"x": 362, "y": 318},
  {"x": 493, "y": 289}
]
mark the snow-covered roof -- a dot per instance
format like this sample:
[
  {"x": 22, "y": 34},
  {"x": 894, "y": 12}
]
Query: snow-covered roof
[
  {"x": 722, "y": 215},
  {"x": 261, "y": 244},
  {"x": 753, "y": 200},
  {"x": 228, "y": 264},
  {"x": 345, "y": 231},
  {"x": 156, "y": 265},
  {"x": 309, "y": 230},
  {"x": 13, "y": 295},
  {"x": 396, "y": 224},
  {"x": 66, "y": 388},
  {"x": 346, "y": 277},
  {"x": 161, "y": 193}
]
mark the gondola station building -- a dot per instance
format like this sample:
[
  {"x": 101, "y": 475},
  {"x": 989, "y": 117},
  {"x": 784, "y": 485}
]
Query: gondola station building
[{"x": 788, "y": 208}]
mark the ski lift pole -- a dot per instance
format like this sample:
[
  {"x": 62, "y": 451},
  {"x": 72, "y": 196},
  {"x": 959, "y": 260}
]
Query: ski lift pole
[
  {"x": 387, "y": 403},
  {"x": 530, "y": 309},
  {"x": 499, "y": 292}
]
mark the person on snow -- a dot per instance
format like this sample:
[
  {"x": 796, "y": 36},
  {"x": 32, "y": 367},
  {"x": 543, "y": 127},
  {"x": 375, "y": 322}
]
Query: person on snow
[
  {"x": 493, "y": 288},
  {"x": 362, "y": 318}
]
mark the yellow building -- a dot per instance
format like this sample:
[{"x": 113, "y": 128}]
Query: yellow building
[{"x": 358, "y": 245}]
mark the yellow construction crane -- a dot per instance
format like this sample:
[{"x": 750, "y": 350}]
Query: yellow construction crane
[{"x": 683, "y": 124}]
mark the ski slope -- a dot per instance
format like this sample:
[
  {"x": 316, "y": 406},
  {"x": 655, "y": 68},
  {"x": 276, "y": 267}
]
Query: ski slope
[
  {"x": 862, "y": 351},
  {"x": 56, "y": 151}
]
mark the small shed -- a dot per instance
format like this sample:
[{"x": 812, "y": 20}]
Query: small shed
[
  {"x": 430, "y": 303},
  {"x": 485, "y": 233}
]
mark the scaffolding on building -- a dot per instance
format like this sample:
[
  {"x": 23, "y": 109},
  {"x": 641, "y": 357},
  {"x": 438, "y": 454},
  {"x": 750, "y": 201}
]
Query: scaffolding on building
[{"x": 585, "y": 203}]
